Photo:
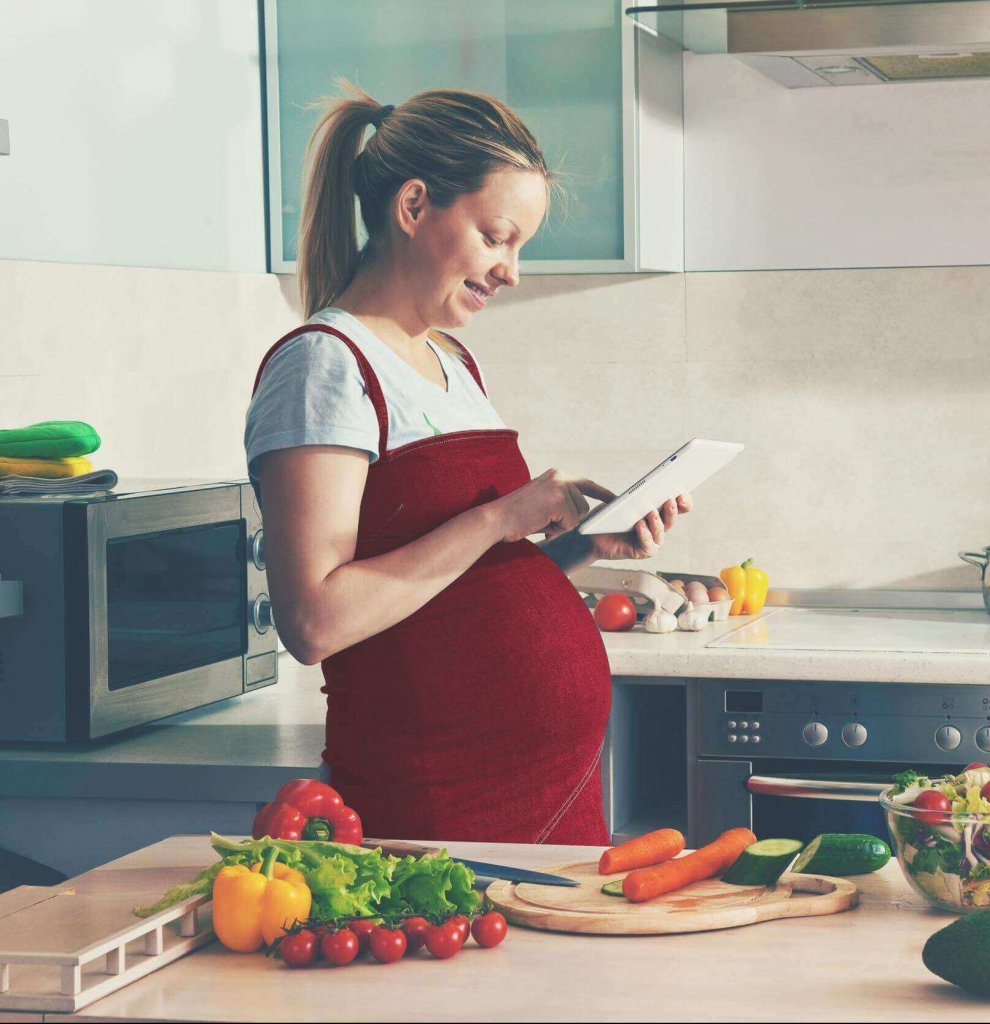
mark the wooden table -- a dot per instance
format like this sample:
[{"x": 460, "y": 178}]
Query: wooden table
[{"x": 862, "y": 965}]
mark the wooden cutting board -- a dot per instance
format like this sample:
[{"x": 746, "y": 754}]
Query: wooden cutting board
[{"x": 699, "y": 907}]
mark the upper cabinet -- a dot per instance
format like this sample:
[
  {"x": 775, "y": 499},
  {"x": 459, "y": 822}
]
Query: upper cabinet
[
  {"x": 135, "y": 134},
  {"x": 603, "y": 100}
]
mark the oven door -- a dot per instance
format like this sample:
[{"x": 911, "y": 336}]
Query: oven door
[
  {"x": 159, "y": 608},
  {"x": 790, "y": 799}
]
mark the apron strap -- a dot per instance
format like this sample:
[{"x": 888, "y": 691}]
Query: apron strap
[
  {"x": 370, "y": 380},
  {"x": 468, "y": 360}
]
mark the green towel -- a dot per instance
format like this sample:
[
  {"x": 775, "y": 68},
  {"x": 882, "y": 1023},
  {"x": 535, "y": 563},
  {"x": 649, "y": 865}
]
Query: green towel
[{"x": 52, "y": 439}]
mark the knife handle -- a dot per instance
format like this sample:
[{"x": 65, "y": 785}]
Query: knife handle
[{"x": 400, "y": 848}]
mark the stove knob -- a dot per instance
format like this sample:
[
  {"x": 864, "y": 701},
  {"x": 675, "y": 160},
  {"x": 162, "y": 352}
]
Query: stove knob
[
  {"x": 815, "y": 734},
  {"x": 853, "y": 734},
  {"x": 983, "y": 738},
  {"x": 948, "y": 737}
]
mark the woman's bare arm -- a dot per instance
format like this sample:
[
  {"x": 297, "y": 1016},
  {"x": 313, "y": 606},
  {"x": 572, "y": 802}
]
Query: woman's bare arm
[{"x": 324, "y": 601}]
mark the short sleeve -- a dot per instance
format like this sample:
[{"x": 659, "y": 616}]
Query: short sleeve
[{"x": 312, "y": 392}]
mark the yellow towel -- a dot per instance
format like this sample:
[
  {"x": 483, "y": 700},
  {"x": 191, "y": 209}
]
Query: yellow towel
[{"x": 51, "y": 469}]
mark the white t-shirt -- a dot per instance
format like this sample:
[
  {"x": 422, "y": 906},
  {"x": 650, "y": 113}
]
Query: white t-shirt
[{"x": 312, "y": 392}]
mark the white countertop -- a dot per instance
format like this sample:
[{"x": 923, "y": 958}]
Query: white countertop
[
  {"x": 686, "y": 655},
  {"x": 860, "y": 965}
]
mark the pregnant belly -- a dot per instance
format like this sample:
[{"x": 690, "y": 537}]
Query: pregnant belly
[{"x": 500, "y": 680}]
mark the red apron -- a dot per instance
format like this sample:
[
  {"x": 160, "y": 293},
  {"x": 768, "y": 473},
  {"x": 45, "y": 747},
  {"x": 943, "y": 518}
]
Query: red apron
[{"x": 482, "y": 715}]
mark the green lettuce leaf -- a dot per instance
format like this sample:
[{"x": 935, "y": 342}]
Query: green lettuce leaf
[{"x": 432, "y": 887}]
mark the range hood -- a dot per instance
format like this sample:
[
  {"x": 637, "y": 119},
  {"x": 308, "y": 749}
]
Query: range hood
[{"x": 834, "y": 42}]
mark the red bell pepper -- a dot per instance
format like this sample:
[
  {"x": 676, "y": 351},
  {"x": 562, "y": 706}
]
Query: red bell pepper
[{"x": 308, "y": 809}]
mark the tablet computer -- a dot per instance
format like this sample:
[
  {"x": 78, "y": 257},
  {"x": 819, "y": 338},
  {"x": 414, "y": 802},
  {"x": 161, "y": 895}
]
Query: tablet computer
[{"x": 680, "y": 472}]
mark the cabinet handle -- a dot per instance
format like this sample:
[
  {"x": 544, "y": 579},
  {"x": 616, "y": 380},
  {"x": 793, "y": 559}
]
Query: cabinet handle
[{"x": 815, "y": 789}]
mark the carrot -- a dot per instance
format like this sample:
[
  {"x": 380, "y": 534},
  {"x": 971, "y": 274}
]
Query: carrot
[
  {"x": 710, "y": 860},
  {"x": 653, "y": 848}
]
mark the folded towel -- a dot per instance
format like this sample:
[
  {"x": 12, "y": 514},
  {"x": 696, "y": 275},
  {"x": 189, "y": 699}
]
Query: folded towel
[
  {"x": 51, "y": 439},
  {"x": 49, "y": 468},
  {"x": 101, "y": 480}
]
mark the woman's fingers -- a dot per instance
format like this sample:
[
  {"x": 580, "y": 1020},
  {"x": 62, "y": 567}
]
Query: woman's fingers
[
  {"x": 668, "y": 510},
  {"x": 594, "y": 490},
  {"x": 685, "y": 502}
]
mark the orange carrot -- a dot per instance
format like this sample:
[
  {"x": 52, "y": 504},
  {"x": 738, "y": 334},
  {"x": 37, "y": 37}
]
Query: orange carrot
[
  {"x": 653, "y": 848},
  {"x": 710, "y": 860}
]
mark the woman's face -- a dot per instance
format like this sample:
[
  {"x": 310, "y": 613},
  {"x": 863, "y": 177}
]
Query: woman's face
[{"x": 476, "y": 240}]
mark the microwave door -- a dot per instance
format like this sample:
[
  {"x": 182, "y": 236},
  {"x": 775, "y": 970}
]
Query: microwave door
[{"x": 167, "y": 607}]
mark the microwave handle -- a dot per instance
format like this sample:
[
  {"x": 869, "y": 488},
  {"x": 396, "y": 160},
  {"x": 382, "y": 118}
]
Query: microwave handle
[
  {"x": 11, "y": 598},
  {"x": 815, "y": 789}
]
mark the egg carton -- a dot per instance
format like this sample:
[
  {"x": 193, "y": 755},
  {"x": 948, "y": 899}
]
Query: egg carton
[
  {"x": 647, "y": 590},
  {"x": 719, "y": 609}
]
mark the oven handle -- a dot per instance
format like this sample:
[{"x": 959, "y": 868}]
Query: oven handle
[{"x": 815, "y": 789}]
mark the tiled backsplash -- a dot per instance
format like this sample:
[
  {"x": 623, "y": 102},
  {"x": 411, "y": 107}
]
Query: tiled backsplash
[{"x": 862, "y": 395}]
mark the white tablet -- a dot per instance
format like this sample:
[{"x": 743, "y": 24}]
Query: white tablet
[{"x": 679, "y": 473}]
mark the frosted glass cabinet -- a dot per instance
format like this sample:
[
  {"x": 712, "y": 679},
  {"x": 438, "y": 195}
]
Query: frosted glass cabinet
[{"x": 572, "y": 69}]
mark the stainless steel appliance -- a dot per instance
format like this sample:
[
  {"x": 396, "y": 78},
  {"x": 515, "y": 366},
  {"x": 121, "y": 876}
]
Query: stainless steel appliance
[
  {"x": 800, "y": 44},
  {"x": 132, "y": 605},
  {"x": 796, "y": 758}
]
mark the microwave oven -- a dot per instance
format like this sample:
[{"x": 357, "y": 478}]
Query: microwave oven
[{"x": 133, "y": 605}]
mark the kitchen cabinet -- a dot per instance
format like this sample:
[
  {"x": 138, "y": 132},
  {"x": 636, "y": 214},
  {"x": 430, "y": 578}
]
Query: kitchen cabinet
[
  {"x": 603, "y": 99},
  {"x": 135, "y": 135}
]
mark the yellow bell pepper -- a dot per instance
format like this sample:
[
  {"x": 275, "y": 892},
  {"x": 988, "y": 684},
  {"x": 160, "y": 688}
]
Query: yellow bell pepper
[
  {"x": 747, "y": 587},
  {"x": 253, "y": 907}
]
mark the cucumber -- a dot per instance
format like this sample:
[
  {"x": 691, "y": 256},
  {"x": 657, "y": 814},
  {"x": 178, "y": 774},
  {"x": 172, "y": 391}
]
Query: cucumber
[
  {"x": 613, "y": 888},
  {"x": 835, "y": 854},
  {"x": 762, "y": 862}
]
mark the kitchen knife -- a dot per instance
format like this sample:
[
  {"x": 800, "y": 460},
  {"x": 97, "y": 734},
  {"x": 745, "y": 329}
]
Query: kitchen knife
[{"x": 398, "y": 848}]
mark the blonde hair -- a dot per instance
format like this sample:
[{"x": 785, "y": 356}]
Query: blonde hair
[{"x": 451, "y": 139}]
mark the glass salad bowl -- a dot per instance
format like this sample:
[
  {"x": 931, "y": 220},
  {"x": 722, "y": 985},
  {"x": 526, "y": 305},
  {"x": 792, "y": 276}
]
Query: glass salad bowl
[{"x": 943, "y": 853}]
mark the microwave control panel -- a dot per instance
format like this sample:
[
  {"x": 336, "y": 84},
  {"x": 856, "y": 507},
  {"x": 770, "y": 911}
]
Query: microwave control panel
[
  {"x": 808, "y": 720},
  {"x": 260, "y": 661}
]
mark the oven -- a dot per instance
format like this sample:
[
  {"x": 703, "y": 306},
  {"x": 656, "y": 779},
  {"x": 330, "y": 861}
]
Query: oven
[{"x": 793, "y": 759}]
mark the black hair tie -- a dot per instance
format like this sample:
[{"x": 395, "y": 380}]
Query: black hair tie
[{"x": 381, "y": 114}]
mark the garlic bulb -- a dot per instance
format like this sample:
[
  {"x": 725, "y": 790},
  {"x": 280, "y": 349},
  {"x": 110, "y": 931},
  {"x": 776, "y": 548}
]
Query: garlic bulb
[
  {"x": 693, "y": 619},
  {"x": 660, "y": 621}
]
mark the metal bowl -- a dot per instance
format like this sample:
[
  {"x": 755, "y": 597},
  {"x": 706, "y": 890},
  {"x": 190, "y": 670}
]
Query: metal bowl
[{"x": 981, "y": 560}]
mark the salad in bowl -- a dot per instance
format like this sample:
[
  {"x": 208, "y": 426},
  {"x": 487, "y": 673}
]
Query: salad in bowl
[{"x": 940, "y": 828}]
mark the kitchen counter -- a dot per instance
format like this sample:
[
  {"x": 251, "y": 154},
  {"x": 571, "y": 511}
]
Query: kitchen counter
[
  {"x": 684, "y": 655},
  {"x": 246, "y": 747},
  {"x": 862, "y": 965}
]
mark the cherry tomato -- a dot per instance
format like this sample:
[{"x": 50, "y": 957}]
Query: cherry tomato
[
  {"x": 299, "y": 948},
  {"x": 362, "y": 928},
  {"x": 985, "y": 792},
  {"x": 444, "y": 940},
  {"x": 934, "y": 807},
  {"x": 489, "y": 929},
  {"x": 615, "y": 612},
  {"x": 976, "y": 766},
  {"x": 388, "y": 945},
  {"x": 415, "y": 929},
  {"x": 463, "y": 926},
  {"x": 340, "y": 948}
]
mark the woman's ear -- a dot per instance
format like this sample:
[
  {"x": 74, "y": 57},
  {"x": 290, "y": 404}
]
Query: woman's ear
[{"x": 411, "y": 202}]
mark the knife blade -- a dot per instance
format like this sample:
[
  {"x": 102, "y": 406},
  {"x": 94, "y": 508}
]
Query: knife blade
[
  {"x": 480, "y": 867},
  {"x": 402, "y": 848}
]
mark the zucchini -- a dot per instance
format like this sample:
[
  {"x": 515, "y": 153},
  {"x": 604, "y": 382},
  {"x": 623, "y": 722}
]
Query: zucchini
[
  {"x": 763, "y": 862},
  {"x": 613, "y": 888},
  {"x": 836, "y": 854}
]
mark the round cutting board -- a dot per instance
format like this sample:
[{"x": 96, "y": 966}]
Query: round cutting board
[{"x": 699, "y": 907}]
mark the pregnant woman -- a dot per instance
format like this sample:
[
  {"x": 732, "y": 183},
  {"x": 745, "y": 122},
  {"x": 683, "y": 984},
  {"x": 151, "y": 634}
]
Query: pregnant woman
[{"x": 467, "y": 685}]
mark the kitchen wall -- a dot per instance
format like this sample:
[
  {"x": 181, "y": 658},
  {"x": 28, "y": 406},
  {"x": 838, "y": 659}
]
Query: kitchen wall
[{"x": 861, "y": 394}]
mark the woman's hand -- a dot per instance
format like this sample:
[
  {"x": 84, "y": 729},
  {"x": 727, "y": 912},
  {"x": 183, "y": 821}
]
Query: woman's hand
[
  {"x": 646, "y": 537},
  {"x": 552, "y": 504}
]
